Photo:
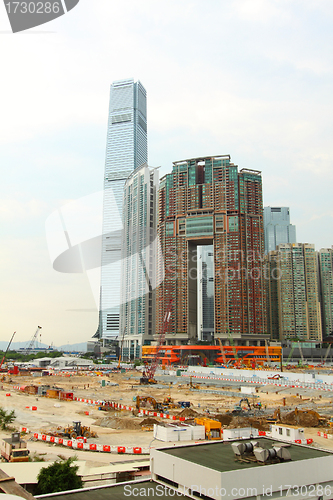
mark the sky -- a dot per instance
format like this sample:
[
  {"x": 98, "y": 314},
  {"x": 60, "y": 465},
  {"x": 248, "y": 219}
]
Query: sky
[{"x": 248, "y": 78}]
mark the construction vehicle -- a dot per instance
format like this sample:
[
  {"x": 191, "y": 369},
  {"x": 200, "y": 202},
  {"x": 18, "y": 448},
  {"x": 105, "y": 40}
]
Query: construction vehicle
[
  {"x": 277, "y": 376},
  {"x": 14, "y": 449},
  {"x": 213, "y": 428},
  {"x": 148, "y": 374},
  {"x": 321, "y": 420},
  {"x": 184, "y": 404},
  {"x": 148, "y": 399},
  {"x": 194, "y": 386},
  {"x": 238, "y": 408},
  {"x": 168, "y": 402},
  {"x": 8, "y": 346},
  {"x": 76, "y": 430},
  {"x": 296, "y": 416}
]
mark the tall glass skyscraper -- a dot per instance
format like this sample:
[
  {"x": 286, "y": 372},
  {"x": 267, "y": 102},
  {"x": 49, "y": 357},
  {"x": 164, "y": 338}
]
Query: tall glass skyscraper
[
  {"x": 126, "y": 149},
  {"x": 277, "y": 227}
]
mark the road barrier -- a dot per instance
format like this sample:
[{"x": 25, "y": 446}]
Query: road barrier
[
  {"x": 325, "y": 435},
  {"x": 79, "y": 445}
]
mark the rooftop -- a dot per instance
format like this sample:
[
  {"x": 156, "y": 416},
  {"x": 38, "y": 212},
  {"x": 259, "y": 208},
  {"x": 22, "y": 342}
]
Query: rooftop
[
  {"x": 115, "y": 492},
  {"x": 219, "y": 456}
]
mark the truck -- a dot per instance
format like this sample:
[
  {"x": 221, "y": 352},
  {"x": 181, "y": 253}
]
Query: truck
[{"x": 14, "y": 449}]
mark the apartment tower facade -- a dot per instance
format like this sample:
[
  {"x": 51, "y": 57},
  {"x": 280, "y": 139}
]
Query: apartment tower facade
[
  {"x": 293, "y": 297},
  {"x": 138, "y": 264},
  {"x": 126, "y": 150},
  {"x": 206, "y": 201},
  {"x": 325, "y": 264}
]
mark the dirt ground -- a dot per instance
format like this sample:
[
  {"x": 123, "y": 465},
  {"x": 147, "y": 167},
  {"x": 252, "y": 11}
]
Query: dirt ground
[{"x": 121, "y": 427}]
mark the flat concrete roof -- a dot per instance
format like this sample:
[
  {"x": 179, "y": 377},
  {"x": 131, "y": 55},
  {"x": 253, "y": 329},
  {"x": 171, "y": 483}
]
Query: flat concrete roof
[
  {"x": 116, "y": 492},
  {"x": 220, "y": 456}
]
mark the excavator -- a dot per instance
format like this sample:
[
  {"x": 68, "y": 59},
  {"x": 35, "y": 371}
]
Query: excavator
[
  {"x": 238, "y": 410},
  {"x": 148, "y": 399},
  {"x": 296, "y": 415}
]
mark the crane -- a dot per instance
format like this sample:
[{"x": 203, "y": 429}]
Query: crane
[
  {"x": 267, "y": 353},
  {"x": 234, "y": 350},
  {"x": 301, "y": 352},
  {"x": 8, "y": 346},
  {"x": 149, "y": 373},
  {"x": 222, "y": 352},
  {"x": 121, "y": 347},
  {"x": 327, "y": 352},
  {"x": 31, "y": 343},
  {"x": 291, "y": 352}
]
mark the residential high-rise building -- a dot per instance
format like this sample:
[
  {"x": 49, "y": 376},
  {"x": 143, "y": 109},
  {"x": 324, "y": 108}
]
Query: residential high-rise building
[
  {"x": 139, "y": 250},
  {"x": 206, "y": 201},
  {"x": 277, "y": 227},
  {"x": 126, "y": 150},
  {"x": 325, "y": 262},
  {"x": 293, "y": 299}
]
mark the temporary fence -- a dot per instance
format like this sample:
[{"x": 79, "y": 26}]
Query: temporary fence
[
  {"x": 119, "y": 406},
  {"x": 79, "y": 445},
  {"x": 325, "y": 435},
  {"x": 265, "y": 381}
]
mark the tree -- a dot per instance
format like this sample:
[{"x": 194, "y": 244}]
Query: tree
[
  {"x": 6, "y": 418},
  {"x": 59, "y": 476}
]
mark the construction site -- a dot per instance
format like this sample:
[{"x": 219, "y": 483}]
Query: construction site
[
  {"x": 117, "y": 416},
  {"x": 115, "y": 409}
]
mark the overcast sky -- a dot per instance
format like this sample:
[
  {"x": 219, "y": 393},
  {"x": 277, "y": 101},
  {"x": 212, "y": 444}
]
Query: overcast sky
[{"x": 249, "y": 78}]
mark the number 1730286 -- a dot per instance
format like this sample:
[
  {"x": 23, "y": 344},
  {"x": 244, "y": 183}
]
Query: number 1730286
[{"x": 33, "y": 7}]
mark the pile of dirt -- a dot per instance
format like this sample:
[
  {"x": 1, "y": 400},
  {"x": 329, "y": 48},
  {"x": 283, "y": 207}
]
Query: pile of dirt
[
  {"x": 238, "y": 422},
  {"x": 260, "y": 424},
  {"x": 97, "y": 421},
  {"x": 188, "y": 412},
  {"x": 304, "y": 419},
  {"x": 224, "y": 418},
  {"x": 149, "y": 421},
  {"x": 120, "y": 423}
]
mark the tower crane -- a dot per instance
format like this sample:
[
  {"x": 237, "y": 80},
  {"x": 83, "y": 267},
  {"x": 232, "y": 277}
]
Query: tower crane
[{"x": 148, "y": 375}]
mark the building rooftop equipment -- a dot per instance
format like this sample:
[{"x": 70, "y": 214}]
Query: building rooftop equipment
[{"x": 220, "y": 456}]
